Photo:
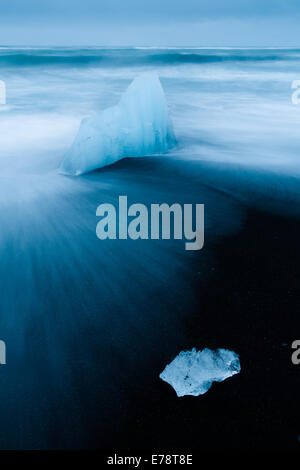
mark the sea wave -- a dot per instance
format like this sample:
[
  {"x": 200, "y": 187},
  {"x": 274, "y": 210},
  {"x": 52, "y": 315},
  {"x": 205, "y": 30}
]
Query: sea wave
[{"x": 13, "y": 57}]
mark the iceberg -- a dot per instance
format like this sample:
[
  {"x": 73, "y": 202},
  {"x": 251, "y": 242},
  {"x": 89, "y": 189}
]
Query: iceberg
[
  {"x": 193, "y": 372},
  {"x": 138, "y": 126}
]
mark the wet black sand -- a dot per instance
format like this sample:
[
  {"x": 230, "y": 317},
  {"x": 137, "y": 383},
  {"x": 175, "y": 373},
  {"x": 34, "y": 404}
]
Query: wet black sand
[
  {"x": 89, "y": 325},
  {"x": 250, "y": 305}
]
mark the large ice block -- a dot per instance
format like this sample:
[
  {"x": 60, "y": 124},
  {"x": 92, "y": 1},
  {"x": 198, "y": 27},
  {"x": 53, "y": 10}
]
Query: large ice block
[
  {"x": 138, "y": 126},
  {"x": 193, "y": 372}
]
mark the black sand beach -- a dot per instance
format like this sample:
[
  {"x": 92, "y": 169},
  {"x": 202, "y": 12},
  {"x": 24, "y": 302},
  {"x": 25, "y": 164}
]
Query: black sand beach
[
  {"x": 250, "y": 305},
  {"x": 90, "y": 324}
]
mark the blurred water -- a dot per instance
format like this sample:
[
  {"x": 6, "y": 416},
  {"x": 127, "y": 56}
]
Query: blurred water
[
  {"x": 83, "y": 319},
  {"x": 232, "y": 105}
]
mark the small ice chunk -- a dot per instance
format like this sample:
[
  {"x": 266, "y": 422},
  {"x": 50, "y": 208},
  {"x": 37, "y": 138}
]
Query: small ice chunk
[
  {"x": 193, "y": 372},
  {"x": 138, "y": 126}
]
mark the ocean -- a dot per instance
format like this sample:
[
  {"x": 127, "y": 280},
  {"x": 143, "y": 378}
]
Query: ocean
[{"x": 90, "y": 324}]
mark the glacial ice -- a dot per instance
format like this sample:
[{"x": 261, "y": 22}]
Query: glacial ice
[
  {"x": 193, "y": 372},
  {"x": 138, "y": 126}
]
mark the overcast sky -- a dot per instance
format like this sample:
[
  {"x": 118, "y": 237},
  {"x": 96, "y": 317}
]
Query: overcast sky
[{"x": 155, "y": 22}]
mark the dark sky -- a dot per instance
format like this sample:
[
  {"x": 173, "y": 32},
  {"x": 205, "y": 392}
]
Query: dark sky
[{"x": 156, "y": 22}]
